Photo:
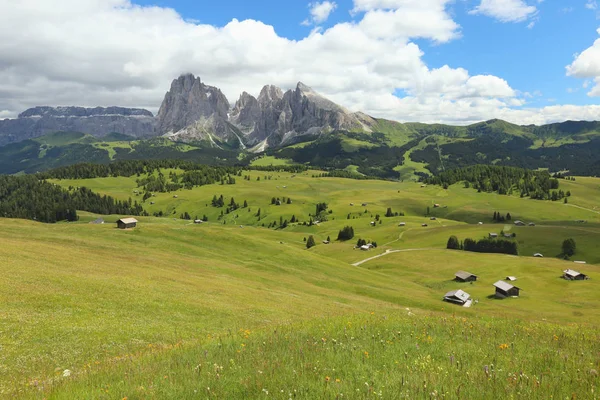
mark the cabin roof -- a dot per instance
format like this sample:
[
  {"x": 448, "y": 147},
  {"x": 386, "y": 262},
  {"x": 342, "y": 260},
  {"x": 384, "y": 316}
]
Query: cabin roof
[
  {"x": 459, "y": 294},
  {"x": 128, "y": 220},
  {"x": 464, "y": 275},
  {"x": 504, "y": 286},
  {"x": 572, "y": 272}
]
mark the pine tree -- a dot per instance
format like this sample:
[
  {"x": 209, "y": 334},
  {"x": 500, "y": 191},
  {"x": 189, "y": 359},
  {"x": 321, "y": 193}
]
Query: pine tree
[
  {"x": 569, "y": 247},
  {"x": 310, "y": 242}
]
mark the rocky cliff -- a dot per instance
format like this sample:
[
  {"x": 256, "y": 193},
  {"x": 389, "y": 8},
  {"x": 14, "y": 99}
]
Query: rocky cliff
[
  {"x": 99, "y": 121},
  {"x": 193, "y": 111}
]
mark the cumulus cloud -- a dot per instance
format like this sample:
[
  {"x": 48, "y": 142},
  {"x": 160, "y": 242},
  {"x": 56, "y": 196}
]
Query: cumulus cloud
[
  {"x": 319, "y": 12},
  {"x": 111, "y": 52},
  {"x": 587, "y": 66},
  {"x": 505, "y": 10}
]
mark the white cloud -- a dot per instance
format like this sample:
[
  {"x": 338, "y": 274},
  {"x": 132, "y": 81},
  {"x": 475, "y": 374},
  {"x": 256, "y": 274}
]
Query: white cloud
[
  {"x": 505, "y": 10},
  {"x": 110, "y": 52},
  {"x": 587, "y": 66},
  {"x": 320, "y": 12},
  {"x": 591, "y": 5}
]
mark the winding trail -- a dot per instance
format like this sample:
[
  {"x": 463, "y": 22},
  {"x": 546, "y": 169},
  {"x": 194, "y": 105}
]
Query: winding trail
[{"x": 356, "y": 264}]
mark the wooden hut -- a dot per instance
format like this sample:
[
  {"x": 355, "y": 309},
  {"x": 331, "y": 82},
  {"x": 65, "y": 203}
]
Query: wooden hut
[
  {"x": 126, "y": 223},
  {"x": 462, "y": 276},
  {"x": 572, "y": 275},
  {"x": 505, "y": 289},
  {"x": 459, "y": 297}
]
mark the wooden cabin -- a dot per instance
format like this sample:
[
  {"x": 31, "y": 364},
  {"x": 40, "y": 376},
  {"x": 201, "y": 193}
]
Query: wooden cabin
[
  {"x": 572, "y": 275},
  {"x": 462, "y": 276},
  {"x": 505, "y": 289},
  {"x": 459, "y": 297},
  {"x": 127, "y": 223}
]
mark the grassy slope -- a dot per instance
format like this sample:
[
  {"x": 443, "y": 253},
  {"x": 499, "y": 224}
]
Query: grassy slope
[{"x": 142, "y": 302}]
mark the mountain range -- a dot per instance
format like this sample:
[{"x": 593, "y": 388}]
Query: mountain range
[
  {"x": 195, "y": 112},
  {"x": 197, "y": 122}
]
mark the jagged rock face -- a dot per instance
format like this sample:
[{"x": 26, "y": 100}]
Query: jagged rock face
[
  {"x": 99, "y": 122},
  {"x": 246, "y": 113},
  {"x": 278, "y": 118},
  {"x": 189, "y": 100}
]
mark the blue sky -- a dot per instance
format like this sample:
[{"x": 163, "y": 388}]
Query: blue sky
[
  {"x": 451, "y": 61},
  {"x": 532, "y": 59}
]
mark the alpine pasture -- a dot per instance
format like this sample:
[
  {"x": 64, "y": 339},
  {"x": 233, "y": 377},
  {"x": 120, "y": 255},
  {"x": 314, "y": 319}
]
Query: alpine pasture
[{"x": 230, "y": 308}]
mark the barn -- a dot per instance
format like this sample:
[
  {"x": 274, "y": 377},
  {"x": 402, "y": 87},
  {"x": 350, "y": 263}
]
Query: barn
[
  {"x": 505, "y": 289},
  {"x": 462, "y": 276},
  {"x": 127, "y": 223},
  {"x": 572, "y": 275}
]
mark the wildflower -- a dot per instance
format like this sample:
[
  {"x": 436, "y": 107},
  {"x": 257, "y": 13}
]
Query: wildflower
[
  {"x": 337, "y": 380},
  {"x": 366, "y": 353},
  {"x": 66, "y": 373},
  {"x": 555, "y": 337},
  {"x": 327, "y": 379},
  {"x": 503, "y": 346}
]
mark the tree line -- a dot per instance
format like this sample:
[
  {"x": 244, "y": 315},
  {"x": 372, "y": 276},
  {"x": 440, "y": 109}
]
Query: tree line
[
  {"x": 500, "y": 179},
  {"x": 30, "y": 198},
  {"x": 486, "y": 245}
]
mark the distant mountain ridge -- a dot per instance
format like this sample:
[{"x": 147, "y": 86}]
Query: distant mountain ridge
[{"x": 98, "y": 121}]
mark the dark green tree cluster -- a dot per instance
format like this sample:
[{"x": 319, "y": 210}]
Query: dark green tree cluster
[
  {"x": 346, "y": 233},
  {"x": 569, "y": 247},
  {"x": 218, "y": 201},
  {"x": 501, "y": 218},
  {"x": 453, "y": 243},
  {"x": 486, "y": 245},
  {"x": 28, "y": 197},
  {"x": 310, "y": 242},
  {"x": 363, "y": 242},
  {"x": 137, "y": 167},
  {"x": 500, "y": 179}
]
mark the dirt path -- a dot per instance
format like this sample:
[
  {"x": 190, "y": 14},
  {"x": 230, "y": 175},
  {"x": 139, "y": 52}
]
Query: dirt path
[
  {"x": 356, "y": 264},
  {"x": 399, "y": 237},
  {"x": 583, "y": 208}
]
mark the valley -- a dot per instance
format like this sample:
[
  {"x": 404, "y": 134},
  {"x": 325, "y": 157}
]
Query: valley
[{"x": 171, "y": 306}]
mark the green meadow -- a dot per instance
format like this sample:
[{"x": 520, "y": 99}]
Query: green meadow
[{"x": 231, "y": 309}]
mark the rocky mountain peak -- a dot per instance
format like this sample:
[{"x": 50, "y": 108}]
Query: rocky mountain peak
[
  {"x": 304, "y": 88},
  {"x": 188, "y": 101},
  {"x": 270, "y": 94}
]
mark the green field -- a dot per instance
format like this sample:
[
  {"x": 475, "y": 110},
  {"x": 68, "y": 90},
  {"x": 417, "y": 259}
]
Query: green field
[{"x": 232, "y": 309}]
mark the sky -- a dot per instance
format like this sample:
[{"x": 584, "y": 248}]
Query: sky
[{"x": 447, "y": 61}]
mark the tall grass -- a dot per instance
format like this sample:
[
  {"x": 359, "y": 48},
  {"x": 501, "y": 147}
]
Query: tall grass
[{"x": 367, "y": 356}]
